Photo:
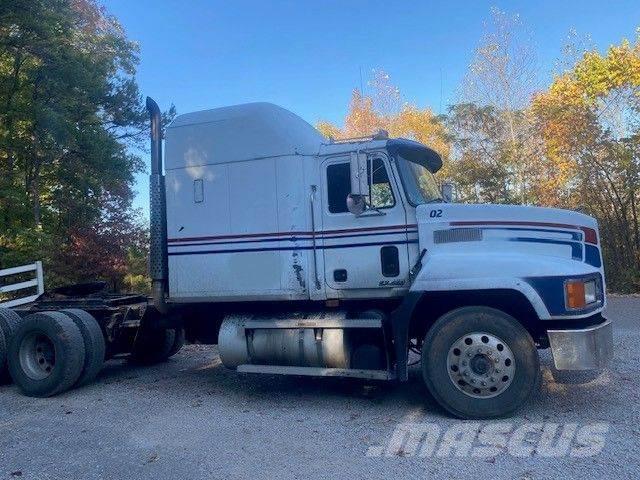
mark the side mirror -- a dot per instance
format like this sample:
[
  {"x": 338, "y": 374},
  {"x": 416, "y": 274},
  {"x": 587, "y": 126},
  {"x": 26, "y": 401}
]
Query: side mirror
[
  {"x": 446, "y": 191},
  {"x": 356, "y": 204},
  {"x": 359, "y": 177}
]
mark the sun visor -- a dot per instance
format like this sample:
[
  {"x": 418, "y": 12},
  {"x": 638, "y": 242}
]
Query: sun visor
[{"x": 415, "y": 152}]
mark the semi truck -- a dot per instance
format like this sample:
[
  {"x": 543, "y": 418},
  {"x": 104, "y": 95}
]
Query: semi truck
[{"x": 302, "y": 255}]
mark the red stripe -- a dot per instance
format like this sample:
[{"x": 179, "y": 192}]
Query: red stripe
[
  {"x": 290, "y": 234},
  {"x": 590, "y": 235}
]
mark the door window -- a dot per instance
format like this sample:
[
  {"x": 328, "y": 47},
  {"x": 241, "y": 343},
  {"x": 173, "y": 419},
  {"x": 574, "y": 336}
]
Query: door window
[
  {"x": 381, "y": 192},
  {"x": 339, "y": 186}
]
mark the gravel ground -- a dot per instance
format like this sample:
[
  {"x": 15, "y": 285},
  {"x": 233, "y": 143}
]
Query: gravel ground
[{"x": 191, "y": 418}]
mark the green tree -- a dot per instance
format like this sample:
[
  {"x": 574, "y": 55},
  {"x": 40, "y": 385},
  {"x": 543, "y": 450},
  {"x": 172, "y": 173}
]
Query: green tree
[{"x": 70, "y": 116}]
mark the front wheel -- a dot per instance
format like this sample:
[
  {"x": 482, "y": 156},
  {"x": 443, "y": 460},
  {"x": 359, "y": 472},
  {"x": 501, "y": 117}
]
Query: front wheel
[{"x": 479, "y": 362}]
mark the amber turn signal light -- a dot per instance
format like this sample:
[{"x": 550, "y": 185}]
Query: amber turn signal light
[{"x": 574, "y": 294}]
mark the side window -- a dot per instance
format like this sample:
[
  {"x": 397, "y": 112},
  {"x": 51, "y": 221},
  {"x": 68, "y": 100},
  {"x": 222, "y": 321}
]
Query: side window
[
  {"x": 338, "y": 186},
  {"x": 381, "y": 192}
]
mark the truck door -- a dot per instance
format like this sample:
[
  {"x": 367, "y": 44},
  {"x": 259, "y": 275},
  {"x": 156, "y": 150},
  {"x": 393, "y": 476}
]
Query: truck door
[{"x": 368, "y": 251}]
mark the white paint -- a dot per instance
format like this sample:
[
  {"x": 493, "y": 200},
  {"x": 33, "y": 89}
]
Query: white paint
[
  {"x": 37, "y": 282},
  {"x": 259, "y": 164}
]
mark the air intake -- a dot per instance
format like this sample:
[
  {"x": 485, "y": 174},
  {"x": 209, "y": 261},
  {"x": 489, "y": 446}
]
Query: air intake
[{"x": 457, "y": 235}]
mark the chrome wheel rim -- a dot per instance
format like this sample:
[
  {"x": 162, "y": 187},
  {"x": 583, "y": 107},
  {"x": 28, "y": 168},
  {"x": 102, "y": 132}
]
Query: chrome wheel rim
[
  {"x": 37, "y": 356},
  {"x": 481, "y": 365}
]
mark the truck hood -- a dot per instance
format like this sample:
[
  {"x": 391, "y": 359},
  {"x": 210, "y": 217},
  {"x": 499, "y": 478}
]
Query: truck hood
[{"x": 502, "y": 230}]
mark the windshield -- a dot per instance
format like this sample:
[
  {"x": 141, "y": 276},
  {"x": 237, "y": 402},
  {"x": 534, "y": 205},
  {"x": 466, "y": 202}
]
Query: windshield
[{"x": 419, "y": 183}]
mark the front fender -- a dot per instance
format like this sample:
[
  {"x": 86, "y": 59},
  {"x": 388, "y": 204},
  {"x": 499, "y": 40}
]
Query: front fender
[{"x": 481, "y": 271}]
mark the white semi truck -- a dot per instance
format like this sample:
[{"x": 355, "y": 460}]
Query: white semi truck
[{"x": 305, "y": 256}]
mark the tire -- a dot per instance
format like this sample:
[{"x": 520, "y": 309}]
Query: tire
[
  {"x": 153, "y": 346},
  {"x": 476, "y": 388},
  {"x": 9, "y": 323},
  {"x": 178, "y": 342},
  {"x": 4, "y": 372},
  {"x": 94, "y": 344},
  {"x": 46, "y": 354}
]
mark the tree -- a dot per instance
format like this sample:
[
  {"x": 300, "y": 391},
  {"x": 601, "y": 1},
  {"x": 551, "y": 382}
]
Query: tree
[
  {"x": 384, "y": 110},
  {"x": 496, "y": 89},
  {"x": 589, "y": 119},
  {"x": 480, "y": 168},
  {"x": 70, "y": 114}
]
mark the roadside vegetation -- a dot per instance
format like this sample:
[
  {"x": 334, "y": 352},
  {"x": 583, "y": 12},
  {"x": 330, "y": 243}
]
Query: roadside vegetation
[
  {"x": 572, "y": 142},
  {"x": 72, "y": 116}
]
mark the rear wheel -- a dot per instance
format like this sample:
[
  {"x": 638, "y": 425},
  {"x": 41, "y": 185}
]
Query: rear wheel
[
  {"x": 153, "y": 346},
  {"x": 4, "y": 373},
  {"x": 479, "y": 362},
  {"x": 94, "y": 344},
  {"x": 9, "y": 322},
  {"x": 46, "y": 354}
]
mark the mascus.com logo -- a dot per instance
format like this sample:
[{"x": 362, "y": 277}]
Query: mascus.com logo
[{"x": 490, "y": 439}]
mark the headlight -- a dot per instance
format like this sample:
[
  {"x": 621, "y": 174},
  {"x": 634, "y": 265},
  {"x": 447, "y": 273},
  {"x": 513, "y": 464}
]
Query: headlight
[
  {"x": 590, "y": 292},
  {"x": 579, "y": 294}
]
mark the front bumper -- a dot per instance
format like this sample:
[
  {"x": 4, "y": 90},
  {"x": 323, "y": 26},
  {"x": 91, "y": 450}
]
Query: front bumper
[{"x": 589, "y": 348}]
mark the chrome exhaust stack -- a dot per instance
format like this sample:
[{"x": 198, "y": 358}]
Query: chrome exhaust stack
[{"x": 158, "y": 269}]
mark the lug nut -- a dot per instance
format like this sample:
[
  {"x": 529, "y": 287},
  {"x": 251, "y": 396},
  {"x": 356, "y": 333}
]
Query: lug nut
[
  {"x": 484, "y": 384},
  {"x": 479, "y": 350}
]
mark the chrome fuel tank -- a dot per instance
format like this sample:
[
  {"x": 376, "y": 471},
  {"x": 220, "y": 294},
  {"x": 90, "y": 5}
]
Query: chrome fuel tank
[{"x": 304, "y": 347}]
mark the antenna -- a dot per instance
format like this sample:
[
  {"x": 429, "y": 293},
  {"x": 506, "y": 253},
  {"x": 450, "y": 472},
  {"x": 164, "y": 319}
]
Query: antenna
[{"x": 440, "y": 109}]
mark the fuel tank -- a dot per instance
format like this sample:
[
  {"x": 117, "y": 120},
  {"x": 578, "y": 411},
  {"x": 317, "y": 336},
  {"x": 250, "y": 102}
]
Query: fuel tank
[{"x": 303, "y": 347}]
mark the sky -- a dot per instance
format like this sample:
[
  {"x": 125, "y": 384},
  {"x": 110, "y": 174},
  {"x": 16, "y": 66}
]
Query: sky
[{"x": 308, "y": 55}]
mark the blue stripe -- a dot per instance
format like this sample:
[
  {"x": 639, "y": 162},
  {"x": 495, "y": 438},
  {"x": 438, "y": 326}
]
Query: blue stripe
[
  {"x": 592, "y": 256},
  {"x": 576, "y": 247},
  {"x": 284, "y": 249},
  {"x": 289, "y": 239}
]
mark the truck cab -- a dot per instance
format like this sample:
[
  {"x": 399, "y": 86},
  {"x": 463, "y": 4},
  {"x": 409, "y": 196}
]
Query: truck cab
[{"x": 302, "y": 244}]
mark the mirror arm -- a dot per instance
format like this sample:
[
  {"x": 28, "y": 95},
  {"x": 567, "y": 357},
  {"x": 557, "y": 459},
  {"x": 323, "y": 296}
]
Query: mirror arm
[{"x": 370, "y": 177}]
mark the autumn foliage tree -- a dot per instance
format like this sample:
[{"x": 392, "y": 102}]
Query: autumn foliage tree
[
  {"x": 384, "y": 110},
  {"x": 575, "y": 144},
  {"x": 589, "y": 120}
]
